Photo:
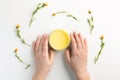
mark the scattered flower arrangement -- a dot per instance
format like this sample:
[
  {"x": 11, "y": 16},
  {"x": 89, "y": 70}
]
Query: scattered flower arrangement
[
  {"x": 90, "y": 21},
  {"x": 43, "y": 5}
]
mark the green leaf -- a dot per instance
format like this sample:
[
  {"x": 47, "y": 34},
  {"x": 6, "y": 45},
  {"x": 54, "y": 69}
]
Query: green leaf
[
  {"x": 61, "y": 12},
  {"x": 27, "y": 67},
  {"x": 72, "y": 17},
  {"x": 67, "y": 14},
  {"x": 92, "y": 18},
  {"x": 91, "y": 25}
]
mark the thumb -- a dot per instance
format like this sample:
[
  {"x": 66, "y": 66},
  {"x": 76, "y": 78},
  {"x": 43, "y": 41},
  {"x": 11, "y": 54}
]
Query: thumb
[
  {"x": 67, "y": 55},
  {"x": 51, "y": 55}
]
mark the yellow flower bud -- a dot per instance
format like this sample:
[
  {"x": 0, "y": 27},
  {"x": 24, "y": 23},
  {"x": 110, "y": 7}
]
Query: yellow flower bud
[
  {"x": 53, "y": 14},
  {"x": 45, "y": 4},
  {"x": 89, "y": 12},
  {"x": 17, "y": 26},
  {"x": 102, "y": 37},
  {"x": 16, "y": 50}
]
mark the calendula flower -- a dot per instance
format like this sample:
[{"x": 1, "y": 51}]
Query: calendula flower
[
  {"x": 20, "y": 60},
  {"x": 102, "y": 37},
  {"x": 101, "y": 48},
  {"x": 19, "y": 35},
  {"x": 38, "y": 7},
  {"x": 89, "y": 11},
  {"x": 90, "y": 21},
  {"x": 18, "y": 26},
  {"x": 45, "y": 4},
  {"x": 16, "y": 50},
  {"x": 53, "y": 14}
]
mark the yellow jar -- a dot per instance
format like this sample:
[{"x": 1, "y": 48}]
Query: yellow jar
[{"x": 59, "y": 39}]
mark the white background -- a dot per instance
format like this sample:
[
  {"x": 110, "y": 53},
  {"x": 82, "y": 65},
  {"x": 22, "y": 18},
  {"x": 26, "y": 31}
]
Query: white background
[{"x": 106, "y": 20}]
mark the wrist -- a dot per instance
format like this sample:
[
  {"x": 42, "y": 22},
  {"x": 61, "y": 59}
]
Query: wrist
[
  {"x": 83, "y": 76},
  {"x": 38, "y": 76}
]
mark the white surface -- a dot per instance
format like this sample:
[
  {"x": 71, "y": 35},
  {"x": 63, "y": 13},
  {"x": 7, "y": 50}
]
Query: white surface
[{"x": 106, "y": 20}]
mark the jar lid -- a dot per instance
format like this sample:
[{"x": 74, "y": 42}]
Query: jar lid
[{"x": 59, "y": 39}]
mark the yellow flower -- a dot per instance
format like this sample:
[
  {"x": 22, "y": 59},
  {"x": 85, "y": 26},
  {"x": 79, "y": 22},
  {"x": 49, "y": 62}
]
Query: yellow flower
[
  {"x": 102, "y": 37},
  {"x": 16, "y": 50},
  {"x": 89, "y": 12},
  {"x": 17, "y": 26},
  {"x": 53, "y": 14},
  {"x": 45, "y": 4}
]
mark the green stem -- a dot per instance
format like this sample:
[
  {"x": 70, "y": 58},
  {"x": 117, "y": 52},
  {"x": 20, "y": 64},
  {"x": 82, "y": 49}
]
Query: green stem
[
  {"x": 72, "y": 17},
  {"x": 20, "y": 37},
  {"x": 91, "y": 25},
  {"x": 31, "y": 20},
  {"x": 20, "y": 60},
  {"x": 100, "y": 51},
  {"x": 67, "y": 14},
  {"x": 39, "y": 6}
]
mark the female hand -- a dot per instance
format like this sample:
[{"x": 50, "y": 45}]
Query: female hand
[
  {"x": 76, "y": 56},
  {"x": 43, "y": 57}
]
